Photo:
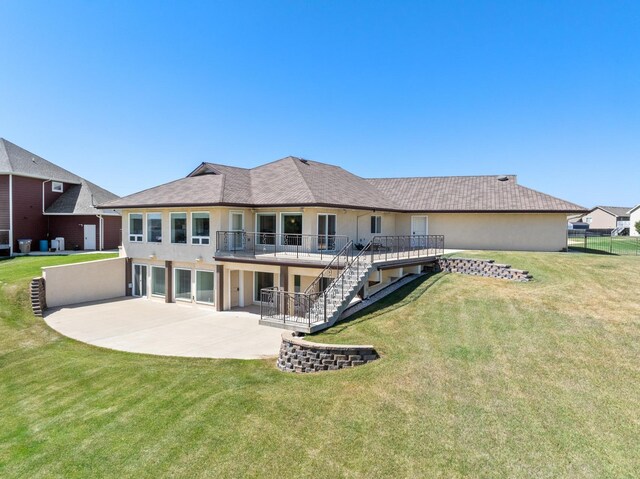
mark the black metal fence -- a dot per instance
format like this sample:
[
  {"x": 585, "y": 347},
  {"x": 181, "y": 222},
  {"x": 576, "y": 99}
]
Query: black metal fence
[
  {"x": 252, "y": 243},
  {"x": 589, "y": 242},
  {"x": 385, "y": 248}
]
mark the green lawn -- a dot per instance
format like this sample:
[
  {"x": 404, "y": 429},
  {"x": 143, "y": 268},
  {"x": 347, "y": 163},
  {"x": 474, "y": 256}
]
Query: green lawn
[
  {"x": 620, "y": 245},
  {"x": 478, "y": 378}
]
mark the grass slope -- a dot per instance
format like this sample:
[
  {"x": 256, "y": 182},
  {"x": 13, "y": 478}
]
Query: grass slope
[{"x": 479, "y": 378}]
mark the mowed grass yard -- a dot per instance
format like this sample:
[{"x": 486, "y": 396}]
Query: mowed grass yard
[
  {"x": 478, "y": 378},
  {"x": 619, "y": 245}
]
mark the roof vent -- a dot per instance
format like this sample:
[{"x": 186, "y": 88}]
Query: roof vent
[
  {"x": 302, "y": 160},
  {"x": 503, "y": 178}
]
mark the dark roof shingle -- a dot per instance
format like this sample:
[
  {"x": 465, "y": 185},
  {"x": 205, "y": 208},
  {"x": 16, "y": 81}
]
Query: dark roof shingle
[
  {"x": 293, "y": 181},
  {"x": 469, "y": 194},
  {"x": 18, "y": 161},
  {"x": 82, "y": 200}
]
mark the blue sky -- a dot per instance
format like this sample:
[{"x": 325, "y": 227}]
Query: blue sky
[{"x": 134, "y": 94}]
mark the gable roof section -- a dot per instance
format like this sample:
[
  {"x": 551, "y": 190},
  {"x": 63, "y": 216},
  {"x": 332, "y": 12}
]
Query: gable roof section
[
  {"x": 457, "y": 194},
  {"x": 18, "y": 161},
  {"x": 296, "y": 182},
  {"x": 81, "y": 200}
]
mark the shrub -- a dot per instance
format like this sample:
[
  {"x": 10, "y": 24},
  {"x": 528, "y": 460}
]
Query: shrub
[{"x": 637, "y": 226}]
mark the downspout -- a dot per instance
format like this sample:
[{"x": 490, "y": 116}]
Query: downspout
[
  {"x": 101, "y": 225},
  {"x": 10, "y": 215},
  {"x": 43, "y": 214}
]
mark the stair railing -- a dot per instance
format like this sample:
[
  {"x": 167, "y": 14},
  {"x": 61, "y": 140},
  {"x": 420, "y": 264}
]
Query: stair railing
[{"x": 334, "y": 264}]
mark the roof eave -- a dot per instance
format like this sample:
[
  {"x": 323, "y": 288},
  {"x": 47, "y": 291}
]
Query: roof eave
[{"x": 341, "y": 206}]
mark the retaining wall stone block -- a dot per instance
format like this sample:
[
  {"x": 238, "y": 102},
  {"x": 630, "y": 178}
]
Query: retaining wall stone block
[{"x": 300, "y": 356}]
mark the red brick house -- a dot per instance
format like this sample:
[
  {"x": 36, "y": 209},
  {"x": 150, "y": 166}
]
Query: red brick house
[{"x": 42, "y": 201}]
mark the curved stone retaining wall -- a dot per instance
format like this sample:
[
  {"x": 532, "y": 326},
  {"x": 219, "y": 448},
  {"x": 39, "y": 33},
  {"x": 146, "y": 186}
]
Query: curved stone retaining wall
[
  {"x": 300, "y": 356},
  {"x": 483, "y": 267}
]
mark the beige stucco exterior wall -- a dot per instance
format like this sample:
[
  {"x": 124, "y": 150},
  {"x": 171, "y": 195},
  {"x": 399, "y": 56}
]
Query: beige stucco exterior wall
[
  {"x": 600, "y": 219},
  {"x": 82, "y": 282},
  {"x": 635, "y": 217},
  {"x": 501, "y": 231},
  {"x": 508, "y": 231}
]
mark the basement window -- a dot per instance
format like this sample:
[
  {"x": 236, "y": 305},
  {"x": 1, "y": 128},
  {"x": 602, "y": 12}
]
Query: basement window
[{"x": 57, "y": 186}]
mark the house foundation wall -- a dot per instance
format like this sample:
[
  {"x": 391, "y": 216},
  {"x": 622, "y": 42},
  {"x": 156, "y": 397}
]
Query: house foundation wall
[{"x": 82, "y": 282}]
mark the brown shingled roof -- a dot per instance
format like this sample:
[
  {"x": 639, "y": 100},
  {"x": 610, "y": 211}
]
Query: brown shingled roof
[
  {"x": 295, "y": 182},
  {"x": 469, "y": 194}
]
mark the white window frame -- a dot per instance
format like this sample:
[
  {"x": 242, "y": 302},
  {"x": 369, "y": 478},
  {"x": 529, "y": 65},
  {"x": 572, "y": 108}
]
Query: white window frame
[
  {"x": 291, "y": 213},
  {"x": 175, "y": 284},
  {"x": 133, "y": 280},
  {"x": 200, "y": 240},
  {"x": 233, "y": 237},
  {"x": 258, "y": 233},
  {"x": 377, "y": 229},
  {"x": 150, "y": 282},
  {"x": 135, "y": 238},
  {"x": 327, "y": 225},
  {"x": 57, "y": 186},
  {"x": 186, "y": 229},
  {"x": 236, "y": 212},
  {"x": 195, "y": 282},
  {"x": 145, "y": 226}
]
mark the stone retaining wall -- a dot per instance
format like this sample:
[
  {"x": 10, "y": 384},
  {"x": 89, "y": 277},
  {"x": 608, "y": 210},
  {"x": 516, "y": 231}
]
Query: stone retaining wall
[
  {"x": 38, "y": 302},
  {"x": 483, "y": 267},
  {"x": 300, "y": 356}
]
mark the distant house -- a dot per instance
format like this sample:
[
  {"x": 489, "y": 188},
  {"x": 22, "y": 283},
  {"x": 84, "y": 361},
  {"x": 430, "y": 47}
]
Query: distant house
[
  {"x": 608, "y": 218},
  {"x": 634, "y": 217},
  {"x": 42, "y": 201}
]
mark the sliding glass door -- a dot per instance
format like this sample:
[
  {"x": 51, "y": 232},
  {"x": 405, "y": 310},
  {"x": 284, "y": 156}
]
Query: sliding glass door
[{"x": 326, "y": 232}]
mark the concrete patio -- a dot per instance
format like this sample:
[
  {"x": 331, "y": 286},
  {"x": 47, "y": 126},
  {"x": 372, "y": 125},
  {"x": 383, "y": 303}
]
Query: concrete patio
[{"x": 152, "y": 327}]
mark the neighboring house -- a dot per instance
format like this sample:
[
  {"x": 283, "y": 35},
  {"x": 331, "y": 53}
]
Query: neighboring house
[
  {"x": 41, "y": 201},
  {"x": 607, "y": 218},
  {"x": 224, "y": 235},
  {"x": 634, "y": 217}
]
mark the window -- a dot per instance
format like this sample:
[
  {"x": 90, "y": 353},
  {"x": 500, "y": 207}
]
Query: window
[
  {"x": 376, "y": 225},
  {"x": 588, "y": 219},
  {"x": 262, "y": 280},
  {"x": 57, "y": 186},
  {"x": 266, "y": 223},
  {"x": 179, "y": 228},
  {"x": 154, "y": 227},
  {"x": 182, "y": 288},
  {"x": 200, "y": 232},
  {"x": 327, "y": 232},
  {"x": 292, "y": 228},
  {"x": 204, "y": 286},
  {"x": 135, "y": 227},
  {"x": 296, "y": 283},
  {"x": 157, "y": 281},
  {"x": 139, "y": 280}
]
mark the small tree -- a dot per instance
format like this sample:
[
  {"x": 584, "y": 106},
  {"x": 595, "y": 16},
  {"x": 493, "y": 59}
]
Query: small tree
[{"x": 637, "y": 225}]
